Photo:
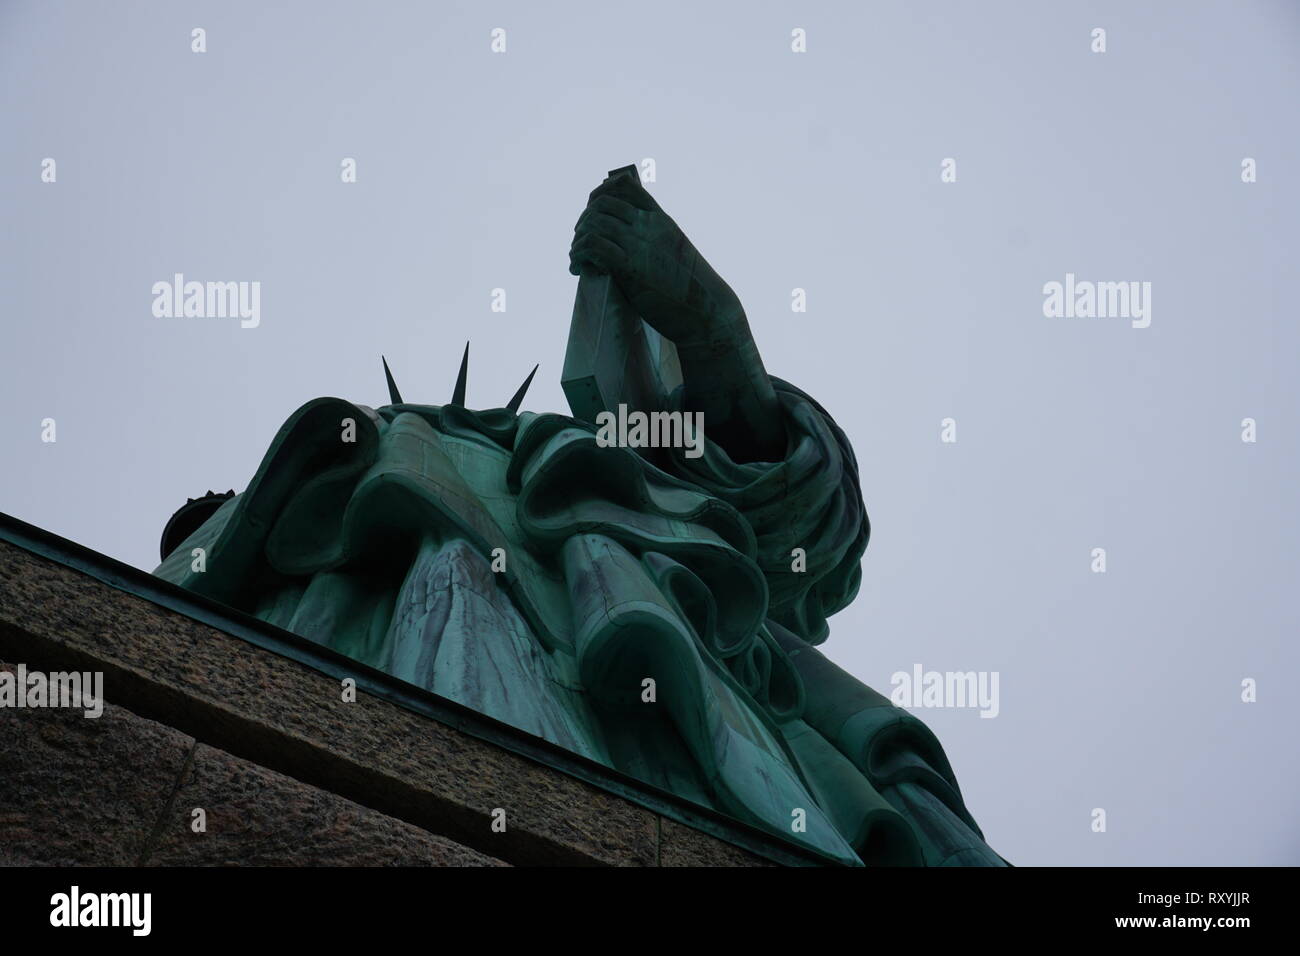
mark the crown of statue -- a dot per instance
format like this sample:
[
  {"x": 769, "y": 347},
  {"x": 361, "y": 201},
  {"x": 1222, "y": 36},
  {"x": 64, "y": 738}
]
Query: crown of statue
[{"x": 458, "y": 396}]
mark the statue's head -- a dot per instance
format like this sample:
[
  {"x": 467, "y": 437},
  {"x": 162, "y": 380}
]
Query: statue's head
[{"x": 191, "y": 516}]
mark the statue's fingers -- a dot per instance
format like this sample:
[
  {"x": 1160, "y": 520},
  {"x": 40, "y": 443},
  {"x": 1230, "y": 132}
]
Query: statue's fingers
[
  {"x": 584, "y": 221},
  {"x": 619, "y": 209},
  {"x": 615, "y": 230},
  {"x": 593, "y": 253},
  {"x": 610, "y": 205},
  {"x": 627, "y": 188}
]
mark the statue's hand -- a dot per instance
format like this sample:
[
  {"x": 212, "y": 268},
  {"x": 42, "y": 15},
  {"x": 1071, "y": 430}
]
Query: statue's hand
[{"x": 624, "y": 233}]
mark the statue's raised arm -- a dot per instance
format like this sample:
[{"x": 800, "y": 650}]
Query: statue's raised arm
[{"x": 624, "y": 233}]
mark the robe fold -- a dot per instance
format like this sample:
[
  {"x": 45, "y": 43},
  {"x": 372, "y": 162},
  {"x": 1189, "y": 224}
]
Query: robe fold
[{"x": 645, "y": 617}]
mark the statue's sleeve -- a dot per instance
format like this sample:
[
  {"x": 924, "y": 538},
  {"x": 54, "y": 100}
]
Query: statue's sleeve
[{"x": 806, "y": 511}]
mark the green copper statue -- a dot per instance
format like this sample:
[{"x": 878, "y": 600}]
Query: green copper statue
[{"x": 614, "y": 582}]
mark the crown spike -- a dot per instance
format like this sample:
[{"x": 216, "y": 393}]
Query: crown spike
[
  {"x": 394, "y": 396},
  {"x": 458, "y": 397},
  {"x": 513, "y": 404}
]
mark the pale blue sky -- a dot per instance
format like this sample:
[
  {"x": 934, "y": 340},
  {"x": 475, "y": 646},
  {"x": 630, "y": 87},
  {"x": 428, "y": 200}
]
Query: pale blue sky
[{"x": 818, "y": 171}]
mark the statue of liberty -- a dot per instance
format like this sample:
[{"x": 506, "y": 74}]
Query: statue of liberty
[{"x": 655, "y": 609}]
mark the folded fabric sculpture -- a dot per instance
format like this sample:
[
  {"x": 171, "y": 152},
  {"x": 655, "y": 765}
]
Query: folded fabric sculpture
[{"x": 645, "y": 617}]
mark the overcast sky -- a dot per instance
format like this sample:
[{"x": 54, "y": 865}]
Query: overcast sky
[{"x": 818, "y": 170}]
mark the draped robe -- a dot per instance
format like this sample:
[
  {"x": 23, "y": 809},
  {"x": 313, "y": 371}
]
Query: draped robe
[{"x": 648, "y": 618}]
